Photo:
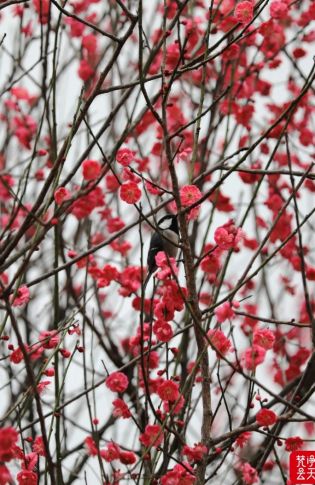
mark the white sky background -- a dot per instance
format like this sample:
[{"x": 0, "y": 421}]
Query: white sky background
[{"x": 68, "y": 93}]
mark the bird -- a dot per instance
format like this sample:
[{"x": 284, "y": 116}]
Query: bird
[{"x": 165, "y": 238}]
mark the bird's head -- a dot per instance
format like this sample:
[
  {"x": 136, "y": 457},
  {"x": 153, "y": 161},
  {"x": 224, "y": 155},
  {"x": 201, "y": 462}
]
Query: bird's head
[{"x": 169, "y": 222}]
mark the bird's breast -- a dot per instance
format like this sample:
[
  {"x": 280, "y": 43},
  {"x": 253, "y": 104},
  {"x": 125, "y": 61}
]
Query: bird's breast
[{"x": 170, "y": 243}]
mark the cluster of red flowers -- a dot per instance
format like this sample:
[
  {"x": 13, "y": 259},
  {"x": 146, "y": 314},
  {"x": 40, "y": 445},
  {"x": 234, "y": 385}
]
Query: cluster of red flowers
[
  {"x": 171, "y": 298},
  {"x": 181, "y": 474},
  {"x": 249, "y": 474},
  {"x": 219, "y": 341},
  {"x": 9, "y": 450},
  {"x": 195, "y": 453},
  {"x": 228, "y": 236},
  {"x": 21, "y": 296},
  {"x": 110, "y": 453},
  {"x": 153, "y": 435}
]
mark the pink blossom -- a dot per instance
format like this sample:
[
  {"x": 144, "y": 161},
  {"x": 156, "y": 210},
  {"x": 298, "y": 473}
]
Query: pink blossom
[
  {"x": 250, "y": 475},
  {"x": 130, "y": 280},
  {"x": 189, "y": 194},
  {"x": 278, "y": 9},
  {"x": 184, "y": 155},
  {"x": 124, "y": 156},
  {"x": 89, "y": 42},
  {"x": 49, "y": 339},
  {"x": 193, "y": 214},
  {"x": 152, "y": 436},
  {"x": 91, "y": 446},
  {"x": 266, "y": 417},
  {"x": 167, "y": 266},
  {"x": 163, "y": 331},
  {"x": 164, "y": 309},
  {"x": 66, "y": 353},
  {"x": 130, "y": 192},
  {"x": 42, "y": 8},
  {"x": 76, "y": 28},
  {"x": 27, "y": 477},
  {"x": 127, "y": 457},
  {"x": 21, "y": 297},
  {"x": 242, "y": 439},
  {"x": 6, "y": 181},
  {"x": 16, "y": 356},
  {"x": 179, "y": 475},
  {"x": 112, "y": 183},
  {"x": 111, "y": 452},
  {"x": 91, "y": 169},
  {"x": 61, "y": 195},
  {"x": 38, "y": 446},
  {"x": 219, "y": 341},
  {"x": 174, "y": 407},
  {"x": 5, "y": 475},
  {"x": 244, "y": 12},
  {"x": 24, "y": 129},
  {"x": 228, "y": 236},
  {"x": 168, "y": 391},
  {"x": 84, "y": 206},
  {"x": 42, "y": 386},
  {"x": 195, "y": 453},
  {"x": 294, "y": 443},
  {"x": 264, "y": 337},
  {"x": 85, "y": 71},
  {"x": 121, "y": 409},
  {"x": 129, "y": 176},
  {"x": 254, "y": 356},
  {"x": 20, "y": 93},
  {"x": 117, "y": 382},
  {"x": 224, "y": 312},
  {"x": 115, "y": 224},
  {"x": 8, "y": 439}
]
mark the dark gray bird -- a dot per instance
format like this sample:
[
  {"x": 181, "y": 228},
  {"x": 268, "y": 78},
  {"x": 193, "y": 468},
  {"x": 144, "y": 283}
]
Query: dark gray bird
[{"x": 165, "y": 239}]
